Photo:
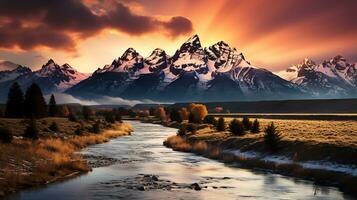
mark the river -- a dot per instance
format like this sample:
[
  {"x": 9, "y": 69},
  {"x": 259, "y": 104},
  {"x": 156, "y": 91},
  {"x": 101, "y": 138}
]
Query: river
[{"x": 140, "y": 167}]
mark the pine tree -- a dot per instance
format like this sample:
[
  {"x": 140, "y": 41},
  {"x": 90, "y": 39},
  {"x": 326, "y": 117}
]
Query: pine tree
[
  {"x": 236, "y": 127},
  {"x": 52, "y": 107},
  {"x": 246, "y": 123},
  {"x": 175, "y": 116},
  {"x": 209, "y": 119},
  {"x": 272, "y": 137},
  {"x": 15, "y": 102},
  {"x": 255, "y": 126},
  {"x": 35, "y": 104},
  {"x": 221, "y": 126},
  {"x": 191, "y": 118}
]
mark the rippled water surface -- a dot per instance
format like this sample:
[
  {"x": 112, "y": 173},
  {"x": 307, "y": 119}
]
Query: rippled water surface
[{"x": 134, "y": 159}]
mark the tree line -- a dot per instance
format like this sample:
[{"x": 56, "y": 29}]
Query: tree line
[{"x": 30, "y": 105}]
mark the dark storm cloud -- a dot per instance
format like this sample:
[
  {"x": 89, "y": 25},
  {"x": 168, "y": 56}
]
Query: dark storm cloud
[
  {"x": 57, "y": 24},
  {"x": 15, "y": 34},
  {"x": 178, "y": 25}
]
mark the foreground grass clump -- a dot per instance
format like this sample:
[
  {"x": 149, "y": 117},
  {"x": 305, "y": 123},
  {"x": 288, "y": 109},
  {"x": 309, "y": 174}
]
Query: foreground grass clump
[{"x": 27, "y": 162}]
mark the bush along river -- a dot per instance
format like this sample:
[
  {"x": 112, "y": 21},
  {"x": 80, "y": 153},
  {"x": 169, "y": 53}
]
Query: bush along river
[{"x": 140, "y": 167}]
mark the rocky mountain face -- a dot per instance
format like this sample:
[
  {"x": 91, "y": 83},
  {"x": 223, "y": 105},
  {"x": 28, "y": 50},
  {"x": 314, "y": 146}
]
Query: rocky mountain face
[
  {"x": 51, "y": 78},
  {"x": 329, "y": 79},
  {"x": 193, "y": 73}
]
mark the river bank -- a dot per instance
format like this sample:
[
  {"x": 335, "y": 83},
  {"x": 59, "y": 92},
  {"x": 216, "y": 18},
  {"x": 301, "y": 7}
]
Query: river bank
[
  {"x": 27, "y": 163},
  {"x": 308, "y": 150}
]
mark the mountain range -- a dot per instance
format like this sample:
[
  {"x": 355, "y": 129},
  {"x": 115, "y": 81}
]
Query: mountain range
[{"x": 194, "y": 73}]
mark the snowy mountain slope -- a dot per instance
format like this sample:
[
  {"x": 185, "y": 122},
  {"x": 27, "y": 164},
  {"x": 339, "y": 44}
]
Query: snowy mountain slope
[
  {"x": 51, "y": 78},
  {"x": 8, "y": 75},
  {"x": 333, "y": 78},
  {"x": 130, "y": 61}
]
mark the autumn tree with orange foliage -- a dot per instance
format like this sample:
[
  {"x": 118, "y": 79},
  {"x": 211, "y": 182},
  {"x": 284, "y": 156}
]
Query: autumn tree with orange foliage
[
  {"x": 161, "y": 113},
  {"x": 199, "y": 112},
  {"x": 65, "y": 111},
  {"x": 184, "y": 113}
]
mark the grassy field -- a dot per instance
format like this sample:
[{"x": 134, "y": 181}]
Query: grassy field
[
  {"x": 27, "y": 163},
  {"x": 339, "y": 133}
]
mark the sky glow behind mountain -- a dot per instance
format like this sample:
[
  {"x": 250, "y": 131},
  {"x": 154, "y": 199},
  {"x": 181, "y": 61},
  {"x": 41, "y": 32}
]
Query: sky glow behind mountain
[{"x": 89, "y": 34}]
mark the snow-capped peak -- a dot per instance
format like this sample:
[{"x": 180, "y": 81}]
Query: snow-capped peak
[
  {"x": 191, "y": 45},
  {"x": 158, "y": 60},
  {"x": 129, "y": 54},
  {"x": 63, "y": 76}
]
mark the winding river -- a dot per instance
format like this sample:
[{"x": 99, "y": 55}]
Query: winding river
[{"x": 140, "y": 167}]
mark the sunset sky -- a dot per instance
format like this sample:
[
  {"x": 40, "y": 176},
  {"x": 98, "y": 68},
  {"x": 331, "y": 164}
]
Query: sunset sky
[{"x": 89, "y": 34}]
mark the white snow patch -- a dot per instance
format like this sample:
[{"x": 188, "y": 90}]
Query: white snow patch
[{"x": 323, "y": 165}]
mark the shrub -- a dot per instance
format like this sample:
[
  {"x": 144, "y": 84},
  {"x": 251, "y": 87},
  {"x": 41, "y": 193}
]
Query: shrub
[
  {"x": 175, "y": 116},
  {"x": 236, "y": 127},
  {"x": 109, "y": 117},
  {"x": 246, "y": 123},
  {"x": 53, "y": 126},
  {"x": 192, "y": 128},
  {"x": 118, "y": 118},
  {"x": 72, "y": 117},
  {"x": 221, "y": 126},
  {"x": 272, "y": 137},
  {"x": 255, "y": 126},
  {"x": 78, "y": 131},
  {"x": 182, "y": 131},
  {"x": 96, "y": 127},
  {"x": 209, "y": 119},
  {"x": 87, "y": 113},
  {"x": 5, "y": 135},
  {"x": 31, "y": 130}
]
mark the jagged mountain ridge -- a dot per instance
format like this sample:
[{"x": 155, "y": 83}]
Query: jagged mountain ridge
[
  {"x": 51, "y": 78},
  {"x": 193, "y": 73},
  {"x": 331, "y": 78}
]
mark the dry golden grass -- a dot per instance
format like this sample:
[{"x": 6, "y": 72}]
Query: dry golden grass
[
  {"x": 341, "y": 133},
  {"x": 26, "y": 163}
]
